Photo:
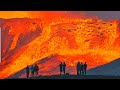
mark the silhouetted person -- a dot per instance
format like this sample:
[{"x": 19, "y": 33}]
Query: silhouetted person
[
  {"x": 81, "y": 69},
  {"x": 27, "y": 71},
  {"x": 78, "y": 68},
  {"x": 36, "y": 69},
  {"x": 64, "y": 67},
  {"x": 32, "y": 71},
  {"x": 85, "y": 68},
  {"x": 61, "y": 68}
]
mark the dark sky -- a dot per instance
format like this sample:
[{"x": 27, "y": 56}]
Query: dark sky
[{"x": 101, "y": 14}]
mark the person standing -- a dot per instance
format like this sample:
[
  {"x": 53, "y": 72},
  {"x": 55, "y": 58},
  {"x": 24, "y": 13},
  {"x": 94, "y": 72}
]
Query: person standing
[
  {"x": 78, "y": 68},
  {"x": 27, "y": 71},
  {"x": 61, "y": 68},
  {"x": 32, "y": 71},
  {"x": 85, "y": 68},
  {"x": 36, "y": 69},
  {"x": 64, "y": 67},
  {"x": 81, "y": 69}
]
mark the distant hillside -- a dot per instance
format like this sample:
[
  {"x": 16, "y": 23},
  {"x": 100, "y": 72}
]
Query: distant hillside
[{"x": 112, "y": 68}]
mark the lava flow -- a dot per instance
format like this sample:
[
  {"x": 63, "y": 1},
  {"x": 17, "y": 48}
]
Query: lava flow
[{"x": 26, "y": 41}]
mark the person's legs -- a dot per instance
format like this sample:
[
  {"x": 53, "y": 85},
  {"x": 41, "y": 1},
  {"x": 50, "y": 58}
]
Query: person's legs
[
  {"x": 64, "y": 71},
  {"x": 36, "y": 74},
  {"x": 60, "y": 71},
  {"x": 26, "y": 74},
  {"x": 77, "y": 72},
  {"x": 31, "y": 74},
  {"x": 85, "y": 71},
  {"x": 80, "y": 72}
]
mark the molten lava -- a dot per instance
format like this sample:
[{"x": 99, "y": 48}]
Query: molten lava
[{"x": 26, "y": 41}]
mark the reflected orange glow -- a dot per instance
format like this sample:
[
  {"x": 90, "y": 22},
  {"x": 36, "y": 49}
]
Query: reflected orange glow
[{"x": 88, "y": 40}]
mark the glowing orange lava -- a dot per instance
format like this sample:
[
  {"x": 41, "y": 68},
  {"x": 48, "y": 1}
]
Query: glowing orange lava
[{"x": 73, "y": 39}]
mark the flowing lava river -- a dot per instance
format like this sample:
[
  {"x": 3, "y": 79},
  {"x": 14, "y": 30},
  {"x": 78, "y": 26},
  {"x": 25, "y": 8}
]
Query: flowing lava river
[{"x": 26, "y": 41}]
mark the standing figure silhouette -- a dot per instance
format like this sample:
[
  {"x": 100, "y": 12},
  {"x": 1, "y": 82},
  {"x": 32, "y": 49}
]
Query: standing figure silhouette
[
  {"x": 64, "y": 67},
  {"x": 85, "y": 68},
  {"x": 36, "y": 69},
  {"x": 81, "y": 69},
  {"x": 27, "y": 71},
  {"x": 61, "y": 68},
  {"x": 78, "y": 68},
  {"x": 32, "y": 71}
]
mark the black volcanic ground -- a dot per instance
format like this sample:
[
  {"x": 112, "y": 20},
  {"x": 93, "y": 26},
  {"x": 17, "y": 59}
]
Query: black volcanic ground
[{"x": 74, "y": 77}]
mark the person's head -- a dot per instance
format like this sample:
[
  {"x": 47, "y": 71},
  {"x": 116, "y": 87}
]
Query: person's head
[
  {"x": 81, "y": 63},
  {"x": 85, "y": 63},
  {"x": 64, "y": 62},
  {"x": 61, "y": 62}
]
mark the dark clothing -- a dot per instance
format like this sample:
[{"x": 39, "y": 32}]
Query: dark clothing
[
  {"x": 61, "y": 68},
  {"x": 27, "y": 72},
  {"x": 81, "y": 69},
  {"x": 64, "y": 67},
  {"x": 32, "y": 71},
  {"x": 27, "y": 69},
  {"x": 78, "y": 68},
  {"x": 36, "y": 69},
  {"x": 85, "y": 68}
]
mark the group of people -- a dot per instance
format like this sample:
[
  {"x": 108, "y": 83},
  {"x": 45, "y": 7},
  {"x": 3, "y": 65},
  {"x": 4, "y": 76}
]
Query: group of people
[
  {"x": 81, "y": 68},
  {"x": 34, "y": 70},
  {"x": 62, "y": 67}
]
